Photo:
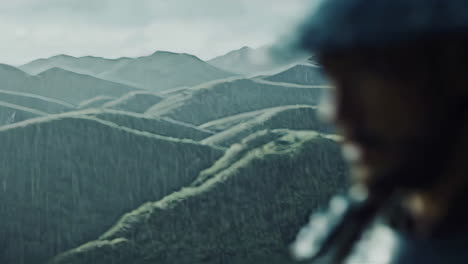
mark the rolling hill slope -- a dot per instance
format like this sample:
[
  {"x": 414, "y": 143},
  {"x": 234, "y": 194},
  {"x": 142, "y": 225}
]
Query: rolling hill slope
[
  {"x": 14, "y": 79},
  {"x": 60, "y": 84},
  {"x": 41, "y": 103},
  {"x": 207, "y": 103},
  {"x": 66, "y": 178},
  {"x": 297, "y": 117},
  {"x": 159, "y": 126},
  {"x": 11, "y": 113},
  {"x": 245, "y": 209},
  {"x": 138, "y": 101},
  {"x": 95, "y": 102},
  {"x": 225, "y": 123},
  {"x": 75, "y": 88}
]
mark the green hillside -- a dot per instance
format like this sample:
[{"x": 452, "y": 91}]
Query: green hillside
[
  {"x": 59, "y": 84},
  {"x": 137, "y": 101},
  {"x": 297, "y": 117},
  {"x": 222, "y": 99},
  {"x": 41, "y": 103},
  {"x": 75, "y": 88},
  {"x": 11, "y": 113},
  {"x": 245, "y": 209},
  {"x": 95, "y": 102},
  {"x": 225, "y": 123},
  {"x": 67, "y": 178},
  {"x": 159, "y": 126}
]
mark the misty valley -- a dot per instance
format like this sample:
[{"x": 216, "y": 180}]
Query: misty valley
[{"x": 165, "y": 158}]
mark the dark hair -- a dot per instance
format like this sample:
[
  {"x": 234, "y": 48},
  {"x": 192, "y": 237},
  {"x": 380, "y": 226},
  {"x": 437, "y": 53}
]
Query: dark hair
[
  {"x": 435, "y": 62},
  {"x": 449, "y": 52}
]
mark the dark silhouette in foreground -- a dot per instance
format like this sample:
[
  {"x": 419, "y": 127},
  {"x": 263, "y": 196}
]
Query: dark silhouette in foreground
[{"x": 400, "y": 101}]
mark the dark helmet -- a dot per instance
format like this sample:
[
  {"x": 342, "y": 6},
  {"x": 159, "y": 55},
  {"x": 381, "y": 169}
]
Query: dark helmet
[{"x": 338, "y": 25}]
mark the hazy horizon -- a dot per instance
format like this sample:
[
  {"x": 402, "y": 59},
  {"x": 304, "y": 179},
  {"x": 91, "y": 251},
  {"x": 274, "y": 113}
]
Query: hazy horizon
[
  {"x": 141, "y": 55},
  {"x": 36, "y": 29}
]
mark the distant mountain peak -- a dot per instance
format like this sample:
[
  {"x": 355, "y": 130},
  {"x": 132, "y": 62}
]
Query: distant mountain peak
[
  {"x": 303, "y": 74},
  {"x": 63, "y": 72},
  {"x": 168, "y": 54},
  {"x": 11, "y": 69},
  {"x": 102, "y": 58},
  {"x": 163, "y": 52},
  {"x": 62, "y": 56},
  {"x": 69, "y": 57},
  {"x": 245, "y": 60},
  {"x": 243, "y": 50},
  {"x": 55, "y": 69},
  {"x": 8, "y": 67}
]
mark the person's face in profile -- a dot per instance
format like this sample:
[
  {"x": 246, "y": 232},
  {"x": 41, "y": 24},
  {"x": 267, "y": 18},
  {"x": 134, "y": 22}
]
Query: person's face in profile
[{"x": 378, "y": 116}]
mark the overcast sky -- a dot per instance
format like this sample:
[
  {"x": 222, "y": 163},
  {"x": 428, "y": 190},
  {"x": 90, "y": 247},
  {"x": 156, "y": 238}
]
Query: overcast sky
[{"x": 32, "y": 29}]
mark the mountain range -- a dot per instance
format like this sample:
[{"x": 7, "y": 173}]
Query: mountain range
[
  {"x": 59, "y": 84},
  {"x": 164, "y": 158},
  {"x": 159, "y": 71},
  {"x": 85, "y": 65}
]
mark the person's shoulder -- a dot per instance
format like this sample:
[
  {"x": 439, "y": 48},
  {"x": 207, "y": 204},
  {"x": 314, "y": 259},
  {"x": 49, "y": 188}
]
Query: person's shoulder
[
  {"x": 385, "y": 245},
  {"x": 378, "y": 246}
]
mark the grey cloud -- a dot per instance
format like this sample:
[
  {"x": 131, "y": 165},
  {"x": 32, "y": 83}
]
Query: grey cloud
[
  {"x": 112, "y": 28},
  {"x": 122, "y": 12}
]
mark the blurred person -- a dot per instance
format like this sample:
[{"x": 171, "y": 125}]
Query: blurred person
[{"x": 399, "y": 70}]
